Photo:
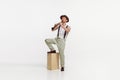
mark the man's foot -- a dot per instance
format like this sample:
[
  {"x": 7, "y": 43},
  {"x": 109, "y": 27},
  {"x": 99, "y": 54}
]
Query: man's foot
[
  {"x": 62, "y": 68},
  {"x": 54, "y": 51}
]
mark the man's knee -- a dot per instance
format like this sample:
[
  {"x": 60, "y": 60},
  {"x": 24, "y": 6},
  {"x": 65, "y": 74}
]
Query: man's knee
[{"x": 46, "y": 40}]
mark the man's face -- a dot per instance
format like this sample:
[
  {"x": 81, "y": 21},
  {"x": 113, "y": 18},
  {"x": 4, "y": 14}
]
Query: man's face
[{"x": 64, "y": 20}]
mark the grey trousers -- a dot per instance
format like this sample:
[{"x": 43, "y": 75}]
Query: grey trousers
[{"x": 61, "y": 46}]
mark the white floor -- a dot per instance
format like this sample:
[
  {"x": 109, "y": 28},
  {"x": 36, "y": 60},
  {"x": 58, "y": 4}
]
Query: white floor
[
  {"x": 31, "y": 72},
  {"x": 86, "y": 70}
]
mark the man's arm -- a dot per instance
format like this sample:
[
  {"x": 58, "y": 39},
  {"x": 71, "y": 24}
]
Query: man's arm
[
  {"x": 66, "y": 29},
  {"x": 56, "y": 26}
]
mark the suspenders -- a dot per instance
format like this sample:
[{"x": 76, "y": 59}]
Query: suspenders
[
  {"x": 65, "y": 32},
  {"x": 59, "y": 30}
]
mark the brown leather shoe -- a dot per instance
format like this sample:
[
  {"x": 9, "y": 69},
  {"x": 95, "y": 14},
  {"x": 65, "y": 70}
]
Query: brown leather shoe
[
  {"x": 62, "y": 68},
  {"x": 54, "y": 51}
]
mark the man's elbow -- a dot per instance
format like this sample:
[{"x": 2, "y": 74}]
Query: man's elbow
[{"x": 53, "y": 30}]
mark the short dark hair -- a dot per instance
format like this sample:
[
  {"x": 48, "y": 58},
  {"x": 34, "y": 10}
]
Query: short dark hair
[{"x": 65, "y": 17}]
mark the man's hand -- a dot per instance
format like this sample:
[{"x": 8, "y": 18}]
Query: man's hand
[{"x": 62, "y": 25}]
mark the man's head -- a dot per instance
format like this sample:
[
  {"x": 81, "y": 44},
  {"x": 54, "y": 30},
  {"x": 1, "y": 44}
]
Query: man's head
[{"x": 64, "y": 18}]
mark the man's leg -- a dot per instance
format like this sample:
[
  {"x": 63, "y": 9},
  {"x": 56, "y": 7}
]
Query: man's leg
[
  {"x": 49, "y": 43},
  {"x": 61, "y": 47},
  {"x": 62, "y": 57}
]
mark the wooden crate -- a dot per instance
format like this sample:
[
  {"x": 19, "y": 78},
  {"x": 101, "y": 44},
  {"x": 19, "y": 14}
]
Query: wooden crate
[{"x": 52, "y": 61}]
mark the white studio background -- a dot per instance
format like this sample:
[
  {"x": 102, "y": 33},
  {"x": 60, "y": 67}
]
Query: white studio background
[{"x": 93, "y": 43}]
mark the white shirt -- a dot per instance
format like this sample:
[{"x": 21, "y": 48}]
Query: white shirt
[{"x": 62, "y": 32}]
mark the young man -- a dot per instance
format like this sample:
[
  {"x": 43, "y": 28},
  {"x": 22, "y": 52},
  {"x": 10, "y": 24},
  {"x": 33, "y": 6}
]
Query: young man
[{"x": 63, "y": 30}]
